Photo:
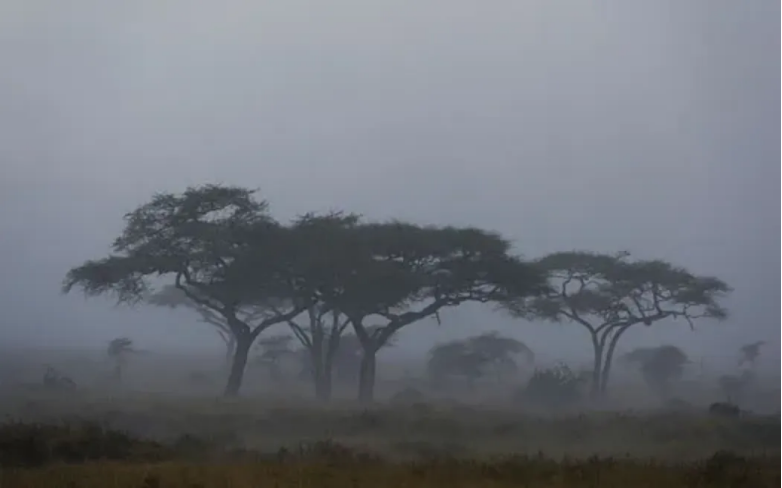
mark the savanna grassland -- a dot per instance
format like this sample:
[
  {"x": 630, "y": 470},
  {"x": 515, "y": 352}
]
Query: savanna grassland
[{"x": 78, "y": 440}]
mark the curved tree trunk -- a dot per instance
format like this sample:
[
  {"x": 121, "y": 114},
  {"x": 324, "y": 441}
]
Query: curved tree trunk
[
  {"x": 230, "y": 350},
  {"x": 605, "y": 374},
  {"x": 597, "y": 366},
  {"x": 238, "y": 365},
  {"x": 366, "y": 378}
]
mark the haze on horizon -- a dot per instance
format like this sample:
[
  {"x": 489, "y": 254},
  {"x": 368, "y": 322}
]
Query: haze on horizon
[{"x": 647, "y": 126}]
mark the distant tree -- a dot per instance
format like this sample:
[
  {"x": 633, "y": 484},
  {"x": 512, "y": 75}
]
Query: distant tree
[
  {"x": 734, "y": 387},
  {"x": 608, "y": 294},
  {"x": 502, "y": 353},
  {"x": 391, "y": 275},
  {"x": 749, "y": 353},
  {"x": 172, "y": 297},
  {"x": 273, "y": 350},
  {"x": 554, "y": 388},
  {"x": 219, "y": 246},
  {"x": 454, "y": 359},
  {"x": 118, "y": 351},
  {"x": 474, "y": 357},
  {"x": 660, "y": 366}
]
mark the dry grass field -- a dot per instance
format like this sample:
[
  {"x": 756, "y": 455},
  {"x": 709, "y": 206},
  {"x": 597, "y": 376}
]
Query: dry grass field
[{"x": 147, "y": 441}]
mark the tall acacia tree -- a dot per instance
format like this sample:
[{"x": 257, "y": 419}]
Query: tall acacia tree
[
  {"x": 386, "y": 276},
  {"x": 203, "y": 241},
  {"x": 608, "y": 294}
]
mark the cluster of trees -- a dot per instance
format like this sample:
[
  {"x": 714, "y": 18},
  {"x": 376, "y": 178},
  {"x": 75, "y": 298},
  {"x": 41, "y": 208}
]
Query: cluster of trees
[{"x": 219, "y": 250}]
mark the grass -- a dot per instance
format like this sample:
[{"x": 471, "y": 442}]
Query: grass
[
  {"x": 86, "y": 456},
  {"x": 78, "y": 441}
]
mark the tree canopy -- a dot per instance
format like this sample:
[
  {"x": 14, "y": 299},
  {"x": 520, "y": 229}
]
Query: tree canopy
[
  {"x": 475, "y": 357},
  {"x": 608, "y": 293},
  {"x": 205, "y": 239},
  {"x": 224, "y": 252},
  {"x": 659, "y": 366}
]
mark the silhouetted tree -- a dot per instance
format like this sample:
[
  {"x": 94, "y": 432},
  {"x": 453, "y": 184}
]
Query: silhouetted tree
[
  {"x": 749, "y": 353},
  {"x": 608, "y": 294},
  {"x": 220, "y": 248},
  {"x": 734, "y": 387},
  {"x": 273, "y": 349},
  {"x": 660, "y": 366},
  {"x": 118, "y": 351},
  {"x": 390, "y": 275},
  {"x": 476, "y": 356},
  {"x": 554, "y": 388}
]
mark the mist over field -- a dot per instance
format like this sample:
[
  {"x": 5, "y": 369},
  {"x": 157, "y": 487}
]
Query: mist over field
[{"x": 501, "y": 156}]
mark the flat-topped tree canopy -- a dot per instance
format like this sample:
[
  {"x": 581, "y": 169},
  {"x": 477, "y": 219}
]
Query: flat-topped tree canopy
[
  {"x": 383, "y": 268},
  {"x": 203, "y": 239},
  {"x": 386, "y": 275},
  {"x": 604, "y": 290},
  {"x": 609, "y": 293}
]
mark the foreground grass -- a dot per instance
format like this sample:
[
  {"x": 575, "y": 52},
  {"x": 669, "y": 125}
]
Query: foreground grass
[
  {"x": 409, "y": 432},
  {"x": 727, "y": 471},
  {"x": 85, "y": 456}
]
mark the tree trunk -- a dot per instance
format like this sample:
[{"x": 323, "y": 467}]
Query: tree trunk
[
  {"x": 118, "y": 373},
  {"x": 238, "y": 365},
  {"x": 322, "y": 384},
  {"x": 230, "y": 351},
  {"x": 605, "y": 374},
  {"x": 597, "y": 367},
  {"x": 366, "y": 378}
]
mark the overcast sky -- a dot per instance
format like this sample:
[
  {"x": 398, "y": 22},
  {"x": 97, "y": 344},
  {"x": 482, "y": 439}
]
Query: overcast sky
[{"x": 651, "y": 126}]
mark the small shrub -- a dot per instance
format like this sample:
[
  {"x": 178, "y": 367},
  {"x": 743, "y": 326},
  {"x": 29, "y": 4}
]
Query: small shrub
[
  {"x": 553, "y": 388},
  {"x": 722, "y": 409}
]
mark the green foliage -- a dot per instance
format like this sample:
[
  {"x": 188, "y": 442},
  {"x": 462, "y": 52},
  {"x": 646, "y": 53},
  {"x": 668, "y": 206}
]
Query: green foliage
[{"x": 553, "y": 388}]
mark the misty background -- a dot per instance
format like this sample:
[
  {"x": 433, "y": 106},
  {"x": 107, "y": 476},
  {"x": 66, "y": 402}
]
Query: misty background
[{"x": 646, "y": 126}]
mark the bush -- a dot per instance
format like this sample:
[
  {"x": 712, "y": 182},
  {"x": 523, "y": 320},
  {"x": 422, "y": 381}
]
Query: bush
[{"x": 552, "y": 388}]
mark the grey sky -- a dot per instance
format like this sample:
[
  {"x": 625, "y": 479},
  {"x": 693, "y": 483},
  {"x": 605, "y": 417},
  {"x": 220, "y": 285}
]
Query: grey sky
[{"x": 649, "y": 126}]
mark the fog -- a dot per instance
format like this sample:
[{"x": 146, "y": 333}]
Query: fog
[{"x": 646, "y": 126}]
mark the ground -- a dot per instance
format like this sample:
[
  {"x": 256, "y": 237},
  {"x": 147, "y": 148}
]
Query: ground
[
  {"x": 144, "y": 435},
  {"x": 210, "y": 442}
]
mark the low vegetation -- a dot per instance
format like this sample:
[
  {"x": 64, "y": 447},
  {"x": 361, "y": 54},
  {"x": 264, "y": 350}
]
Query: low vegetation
[
  {"x": 345, "y": 287},
  {"x": 88, "y": 455}
]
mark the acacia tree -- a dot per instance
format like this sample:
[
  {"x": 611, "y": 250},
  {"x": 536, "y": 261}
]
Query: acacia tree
[
  {"x": 660, "y": 366},
  {"x": 118, "y": 351},
  {"x": 273, "y": 350},
  {"x": 386, "y": 276},
  {"x": 749, "y": 353},
  {"x": 608, "y": 294},
  {"x": 172, "y": 297},
  {"x": 476, "y": 356},
  {"x": 218, "y": 245}
]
